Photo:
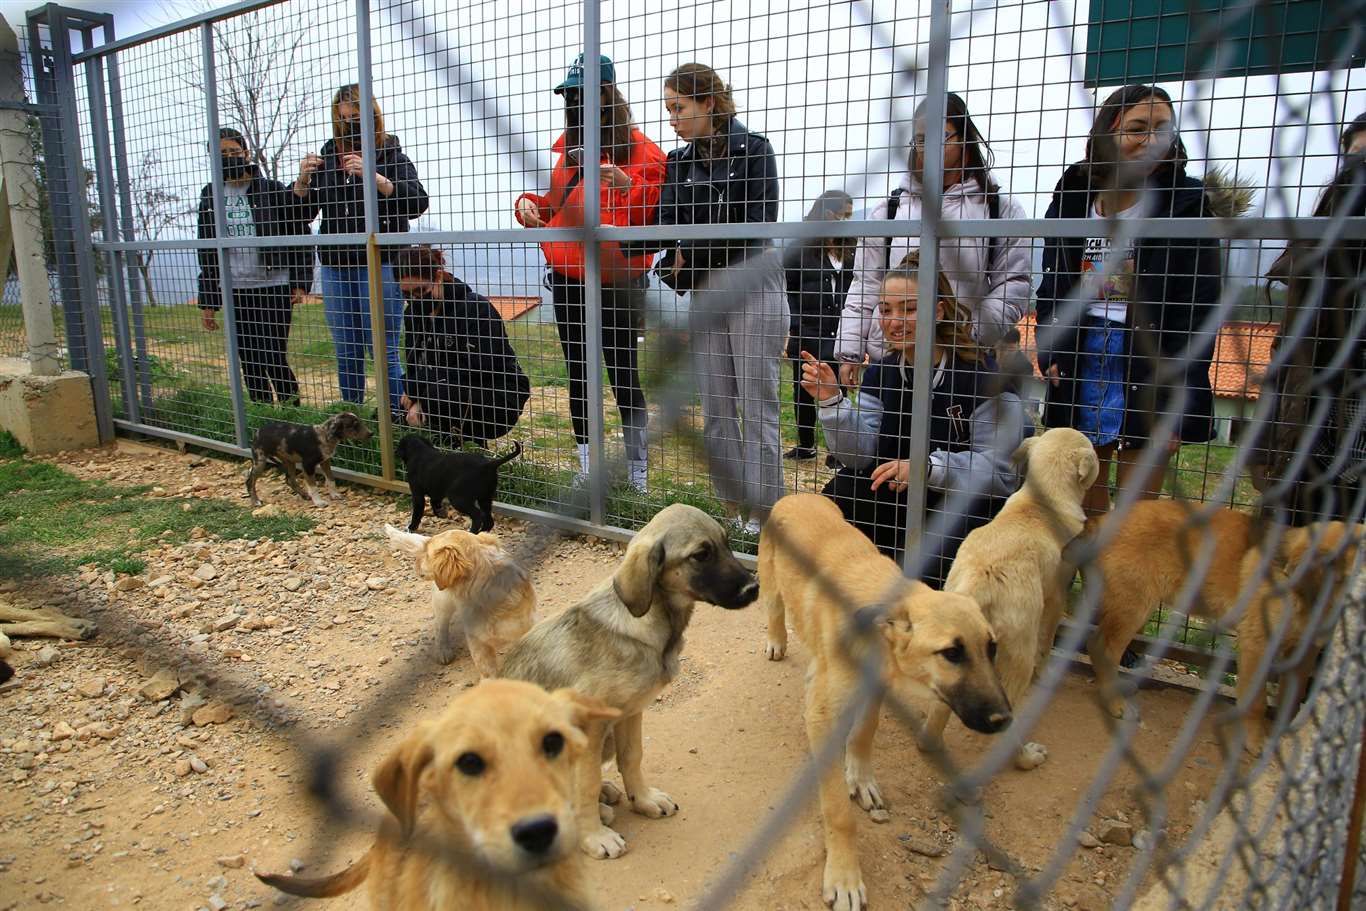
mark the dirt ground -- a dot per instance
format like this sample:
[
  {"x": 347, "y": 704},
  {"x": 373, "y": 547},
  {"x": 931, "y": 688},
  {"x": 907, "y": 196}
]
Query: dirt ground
[{"x": 106, "y": 806}]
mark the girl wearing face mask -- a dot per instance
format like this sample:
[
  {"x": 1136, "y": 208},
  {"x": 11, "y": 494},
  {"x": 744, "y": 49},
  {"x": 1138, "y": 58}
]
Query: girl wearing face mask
[
  {"x": 738, "y": 309},
  {"x": 333, "y": 183},
  {"x": 990, "y": 276},
  {"x": 818, "y": 273},
  {"x": 266, "y": 281},
  {"x": 632, "y": 172},
  {"x": 976, "y": 424},
  {"x": 1141, "y": 337},
  {"x": 463, "y": 379}
]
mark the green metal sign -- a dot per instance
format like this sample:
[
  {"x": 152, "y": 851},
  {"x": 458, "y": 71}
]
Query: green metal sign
[{"x": 1173, "y": 40}]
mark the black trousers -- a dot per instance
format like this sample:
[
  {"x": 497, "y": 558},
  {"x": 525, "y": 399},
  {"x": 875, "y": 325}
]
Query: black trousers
[
  {"x": 262, "y": 317},
  {"x": 881, "y": 515},
  {"x": 622, "y": 310},
  {"x": 804, "y": 406}
]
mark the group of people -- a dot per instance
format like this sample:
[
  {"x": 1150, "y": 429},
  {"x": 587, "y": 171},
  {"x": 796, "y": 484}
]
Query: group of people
[{"x": 1125, "y": 331}]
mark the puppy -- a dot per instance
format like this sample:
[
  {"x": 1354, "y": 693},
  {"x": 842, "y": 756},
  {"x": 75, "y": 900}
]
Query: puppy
[
  {"x": 621, "y": 645},
  {"x": 1013, "y": 567},
  {"x": 474, "y": 576},
  {"x": 497, "y": 832},
  {"x": 301, "y": 450},
  {"x": 466, "y": 479},
  {"x": 850, "y": 604},
  {"x": 1266, "y": 590}
]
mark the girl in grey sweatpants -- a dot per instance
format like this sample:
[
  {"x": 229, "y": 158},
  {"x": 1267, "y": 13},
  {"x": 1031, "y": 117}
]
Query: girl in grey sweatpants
[{"x": 739, "y": 323}]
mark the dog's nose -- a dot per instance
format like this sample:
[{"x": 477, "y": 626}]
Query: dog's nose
[
  {"x": 749, "y": 592},
  {"x": 536, "y": 834},
  {"x": 998, "y": 721}
]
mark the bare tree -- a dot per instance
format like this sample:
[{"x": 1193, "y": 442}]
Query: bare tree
[
  {"x": 268, "y": 80},
  {"x": 155, "y": 208}
]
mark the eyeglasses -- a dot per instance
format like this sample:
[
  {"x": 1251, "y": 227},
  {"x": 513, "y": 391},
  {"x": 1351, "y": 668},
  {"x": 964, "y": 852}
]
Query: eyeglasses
[{"x": 918, "y": 140}]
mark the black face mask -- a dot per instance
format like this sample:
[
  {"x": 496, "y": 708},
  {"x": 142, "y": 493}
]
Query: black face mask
[
  {"x": 235, "y": 167},
  {"x": 351, "y": 129}
]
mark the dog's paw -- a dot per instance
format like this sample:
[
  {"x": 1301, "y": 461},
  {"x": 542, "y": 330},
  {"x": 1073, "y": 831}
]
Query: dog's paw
[
  {"x": 320, "y": 503},
  {"x": 654, "y": 804},
  {"x": 1031, "y": 756},
  {"x": 82, "y": 628},
  {"x": 843, "y": 889},
  {"x": 445, "y": 653},
  {"x": 604, "y": 844},
  {"x": 863, "y": 788},
  {"x": 606, "y": 814},
  {"x": 610, "y": 794},
  {"x": 775, "y": 651}
]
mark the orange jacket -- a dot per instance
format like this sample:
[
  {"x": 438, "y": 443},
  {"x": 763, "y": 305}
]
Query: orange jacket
[{"x": 638, "y": 204}]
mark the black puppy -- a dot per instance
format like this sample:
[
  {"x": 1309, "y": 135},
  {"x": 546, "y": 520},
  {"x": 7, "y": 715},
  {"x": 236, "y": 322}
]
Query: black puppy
[
  {"x": 466, "y": 480},
  {"x": 301, "y": 450}
]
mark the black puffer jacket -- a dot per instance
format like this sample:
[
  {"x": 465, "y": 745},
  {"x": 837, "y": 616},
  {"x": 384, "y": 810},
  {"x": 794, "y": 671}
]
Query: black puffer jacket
[
  {"x": 738, "y": 186},
  {"x": 1176, "y": 289},
  {"x": 815, "y": 291},
  {"x": 460, "y": 365},
  {"x": 275, "y": 212},
  {"x": 341, "y": 200}
]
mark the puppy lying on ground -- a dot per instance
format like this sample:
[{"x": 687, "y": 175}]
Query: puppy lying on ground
[
  {"x": 467, "y": 480},
  {"x": 497, "y": 831},
  {"x": 473, "y": 576},
  {"x": 1149, "y": 560},
  {"x": 848, "y": 603},
  {"x": 1013, "y": 567},
  {"x": 301, "y": 450},
  {"x": 621, "y": 645}
]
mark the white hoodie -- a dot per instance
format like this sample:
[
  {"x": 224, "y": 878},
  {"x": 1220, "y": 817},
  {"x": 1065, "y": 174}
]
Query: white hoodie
[{"x": 997, "y": 293}]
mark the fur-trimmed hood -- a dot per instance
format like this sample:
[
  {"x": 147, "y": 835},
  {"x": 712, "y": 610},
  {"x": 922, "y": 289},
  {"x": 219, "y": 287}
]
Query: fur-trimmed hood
[{"x": 1227, "y": 194}]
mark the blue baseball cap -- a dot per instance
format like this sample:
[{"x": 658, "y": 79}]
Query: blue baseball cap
[{"x": 574, "y": 79}]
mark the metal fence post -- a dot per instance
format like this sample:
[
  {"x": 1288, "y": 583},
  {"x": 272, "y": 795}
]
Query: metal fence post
[
  {"x": 104, "y": 176},
  {"x": 87, "y": 352},
  {"x": 125, "y": 186},
  {"x": 932, "y": 193},
  {"x": 592, "y": 219},
  {"x": 220, "y": 230},
  {"x": 374, "y": 264}
]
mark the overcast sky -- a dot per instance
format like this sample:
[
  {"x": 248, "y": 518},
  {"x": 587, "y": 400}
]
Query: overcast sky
[{"x": 822, "y": 80}]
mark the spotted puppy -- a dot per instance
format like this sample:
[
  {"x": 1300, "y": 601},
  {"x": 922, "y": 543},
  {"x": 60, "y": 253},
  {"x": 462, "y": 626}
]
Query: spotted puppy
[{"x": 301, "y": 450}]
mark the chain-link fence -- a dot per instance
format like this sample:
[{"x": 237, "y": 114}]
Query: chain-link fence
[{"x": 1169, "y": 268}]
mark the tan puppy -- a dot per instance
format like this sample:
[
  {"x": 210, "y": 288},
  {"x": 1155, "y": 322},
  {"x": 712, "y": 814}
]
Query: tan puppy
[
  {"x": 1013, "y": 567},
  {"x": 1146, "y": 564},
  {"x": 473, "y": 576},
  {"x": 833, "y": 581},
  {"x": 497, "y": 831},
  {"x": 621, "y": 645}
]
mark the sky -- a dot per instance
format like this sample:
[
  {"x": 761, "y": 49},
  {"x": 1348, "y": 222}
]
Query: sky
[{"x": 466, "y": 86}]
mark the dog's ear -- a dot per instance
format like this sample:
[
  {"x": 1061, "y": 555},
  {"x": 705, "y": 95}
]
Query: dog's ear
[
  {"x": 635, "y": 580},
  {"x": 1088, "y": 466},
  {"x": 448, "y": 562},
  {"x": 584, "y": 711},
  {"x": 1019, "y": 460},
  {"x": 396, "y": 779}
]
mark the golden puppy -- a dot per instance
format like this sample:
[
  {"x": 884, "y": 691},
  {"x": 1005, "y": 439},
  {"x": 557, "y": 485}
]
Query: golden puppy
[
  {"x": 1267, "y": 599},
  {"x": 1013, "y": 566},
  {"x": 473, "y": 576},
  {"x": 849, "y": 603},
  {"x": 497, "y": 832}
]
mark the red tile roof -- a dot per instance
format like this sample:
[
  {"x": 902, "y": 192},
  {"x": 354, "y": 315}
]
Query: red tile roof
[
  {"x": 1242, "y": 352},
  {"x": 510, "y": 307}
]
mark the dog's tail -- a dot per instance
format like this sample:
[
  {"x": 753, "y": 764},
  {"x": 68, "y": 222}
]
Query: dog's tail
[
  {"x": 323, "y": 887},
  {"x": 503, "y": 460}
]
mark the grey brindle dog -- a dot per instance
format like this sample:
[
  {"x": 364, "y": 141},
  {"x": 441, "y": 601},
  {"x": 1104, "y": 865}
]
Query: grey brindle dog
[{"x": 301, "y": 450}]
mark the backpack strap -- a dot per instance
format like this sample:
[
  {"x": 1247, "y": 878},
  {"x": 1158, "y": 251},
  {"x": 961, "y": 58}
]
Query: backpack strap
[
  {"x": 893, "y": 204},
  {"x": 993, "y": 212}
]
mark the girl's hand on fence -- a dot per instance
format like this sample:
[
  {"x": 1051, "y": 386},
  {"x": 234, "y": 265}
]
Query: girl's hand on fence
[
  {"x": 851, "y": 373},
  {"x": 818, "y": 380},
  {"x": 896, "y": 475},
  {"x": 415, "y": 418},
  {"x": 529, "y": 214},
  {"x": 307, "y": 168},
  {"x": 209, "y": 322},
  {"x": 1053, "y": 374}
]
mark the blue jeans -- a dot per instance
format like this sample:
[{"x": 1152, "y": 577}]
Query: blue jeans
[
  {"x": 346, "y": 303},
  {"x": 1102, "y": 371}
]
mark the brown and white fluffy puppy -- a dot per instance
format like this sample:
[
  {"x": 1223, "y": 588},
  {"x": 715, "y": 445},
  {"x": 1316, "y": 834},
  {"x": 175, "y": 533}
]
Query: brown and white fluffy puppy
[
  {"x": 472, "y": 576},
  {"x": 497, "y": 828},
  {"x": 1013, "y": 567},
  {"x": 301, "y": 451},
  {"x": 845, "y": 600},
  {"x": 621, "y": 644}
]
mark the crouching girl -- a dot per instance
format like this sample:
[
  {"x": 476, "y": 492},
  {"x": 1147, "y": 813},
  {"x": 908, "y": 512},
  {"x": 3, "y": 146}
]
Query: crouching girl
[{"x": 976, "y": 422}]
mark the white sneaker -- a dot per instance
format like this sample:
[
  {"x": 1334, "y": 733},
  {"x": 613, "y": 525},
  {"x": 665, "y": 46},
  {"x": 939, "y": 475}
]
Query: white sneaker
[
  {"x": 639, "y": 475},
  {"x": 582, "y": 476},
  {"x": 751, "y": 527}
]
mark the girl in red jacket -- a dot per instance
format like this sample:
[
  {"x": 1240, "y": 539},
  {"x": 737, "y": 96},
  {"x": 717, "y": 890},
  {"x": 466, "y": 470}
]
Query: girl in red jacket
[{"x": 632, "y": 177}]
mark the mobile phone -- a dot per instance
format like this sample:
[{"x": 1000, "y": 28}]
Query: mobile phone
[{"x": 576, "y": 155}]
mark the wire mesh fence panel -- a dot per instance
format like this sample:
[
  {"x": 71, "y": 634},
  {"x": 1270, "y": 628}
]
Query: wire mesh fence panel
[{"x": 1051, "y": 311}]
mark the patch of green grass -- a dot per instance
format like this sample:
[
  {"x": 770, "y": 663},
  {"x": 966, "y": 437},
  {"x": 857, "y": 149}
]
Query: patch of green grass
[{"x": 52, "y": 522}]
